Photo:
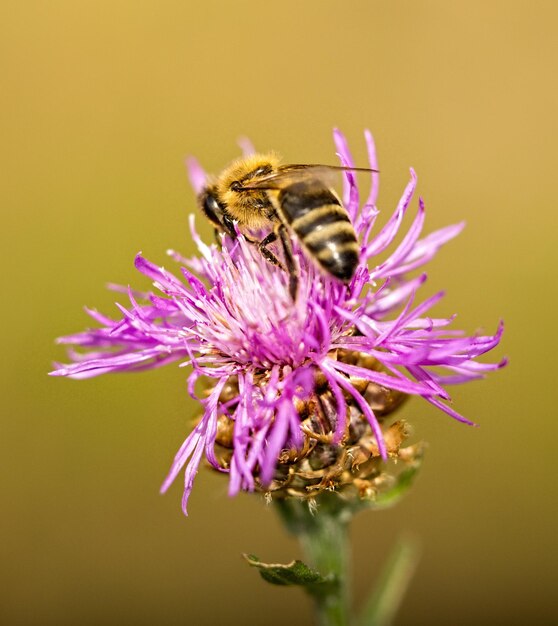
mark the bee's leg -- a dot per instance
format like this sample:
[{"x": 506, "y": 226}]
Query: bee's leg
[
  {"x": 228, "y": 225},
  {"x": 289, "y": 260},
  {"x": 267, "y": 254}
]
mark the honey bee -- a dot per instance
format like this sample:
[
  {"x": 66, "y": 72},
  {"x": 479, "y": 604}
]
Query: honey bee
[{"x": 260, "y": 193}]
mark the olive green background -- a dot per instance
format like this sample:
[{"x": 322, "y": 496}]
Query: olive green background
[{"x": 100, "y": 103}]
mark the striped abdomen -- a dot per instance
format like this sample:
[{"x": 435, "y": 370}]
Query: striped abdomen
[{"x": 322, "y": 225}]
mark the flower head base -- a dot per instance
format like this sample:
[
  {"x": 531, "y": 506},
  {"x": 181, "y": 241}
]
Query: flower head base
[
  {"x": 353, "y": 467},
  {"x": 294, "y": 382}
]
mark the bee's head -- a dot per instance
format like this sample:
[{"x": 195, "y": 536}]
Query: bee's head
[
  {"x": 211, "y": 207},
  {"x": 215, "y": 210}
]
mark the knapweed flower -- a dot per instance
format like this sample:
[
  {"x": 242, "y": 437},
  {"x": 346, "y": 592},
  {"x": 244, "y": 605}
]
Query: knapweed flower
[{"x": 295, "y": 391}]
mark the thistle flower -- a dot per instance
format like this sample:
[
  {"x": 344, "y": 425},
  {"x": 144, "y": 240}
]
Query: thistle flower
[{"x": 297, "y": 391}]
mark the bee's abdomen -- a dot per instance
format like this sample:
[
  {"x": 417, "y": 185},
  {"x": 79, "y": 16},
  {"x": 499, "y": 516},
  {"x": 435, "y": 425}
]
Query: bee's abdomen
[
  {"x": 333, "y": 244},
  {"x": 322, "y": 225}
]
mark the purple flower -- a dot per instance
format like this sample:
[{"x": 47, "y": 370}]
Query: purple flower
[{"x": 228, "y": 315}]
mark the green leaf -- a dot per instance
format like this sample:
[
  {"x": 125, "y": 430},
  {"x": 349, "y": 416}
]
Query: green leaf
[
  {"x": 403, "y": 483},
  {"x": 389, "y": 591},
  {"x": 388, "y": 498},
  {"x": 294, "y": 573}
]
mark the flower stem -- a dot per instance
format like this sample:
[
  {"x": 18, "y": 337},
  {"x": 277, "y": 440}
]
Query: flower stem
[
  {"x": 326, "y": 546},
  {"x": 323, "y": 537}
]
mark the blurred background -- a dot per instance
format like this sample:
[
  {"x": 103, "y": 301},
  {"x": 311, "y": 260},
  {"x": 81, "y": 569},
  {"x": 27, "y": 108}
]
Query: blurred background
[{"x": 101, "y": 102}]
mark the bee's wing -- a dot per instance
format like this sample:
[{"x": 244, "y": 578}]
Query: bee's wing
[{"x": 289, "y": 174}]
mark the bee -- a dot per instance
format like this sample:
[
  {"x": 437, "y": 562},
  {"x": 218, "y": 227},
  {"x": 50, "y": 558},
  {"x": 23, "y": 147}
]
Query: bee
[{"x": 260, "y": 193}]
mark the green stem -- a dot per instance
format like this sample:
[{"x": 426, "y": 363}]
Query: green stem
[
  {"x": 324, "y": 539},
  {"x": 387, "y": 596},
  {"x": 326, "y": 547}
]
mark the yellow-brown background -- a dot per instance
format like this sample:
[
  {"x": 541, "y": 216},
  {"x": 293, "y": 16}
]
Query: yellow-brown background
[{"x": 100, "y": 103}]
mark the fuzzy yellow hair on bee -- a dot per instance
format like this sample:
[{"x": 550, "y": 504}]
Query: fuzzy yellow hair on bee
[{"x": 247, "y": 208}]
